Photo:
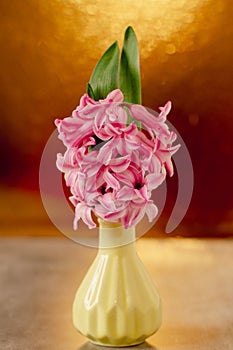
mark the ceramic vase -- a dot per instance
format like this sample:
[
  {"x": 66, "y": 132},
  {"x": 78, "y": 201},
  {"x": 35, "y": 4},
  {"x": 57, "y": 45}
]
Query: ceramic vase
[{"x": 117, "y": 303}]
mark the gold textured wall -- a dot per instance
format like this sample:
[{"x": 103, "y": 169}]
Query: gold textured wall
[{"x": 48, "y": 51}]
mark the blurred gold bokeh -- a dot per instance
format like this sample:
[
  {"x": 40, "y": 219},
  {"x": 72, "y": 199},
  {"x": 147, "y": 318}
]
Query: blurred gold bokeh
[{"x": 48, "y": 51}]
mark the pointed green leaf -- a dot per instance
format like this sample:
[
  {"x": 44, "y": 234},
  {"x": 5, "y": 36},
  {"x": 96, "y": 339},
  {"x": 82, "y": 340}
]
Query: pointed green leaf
[
  {"x": 104, "y": 78},
  {"x": 130, "y": 82},
  {"x": 90, "y": 91}
]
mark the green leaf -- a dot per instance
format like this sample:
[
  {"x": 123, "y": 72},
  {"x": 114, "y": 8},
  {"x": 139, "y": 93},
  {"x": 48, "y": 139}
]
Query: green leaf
[
  {"x": 130, "y": 82},
  {"x": 90, "y": 91},
  {"x": 105, "y": 76}
]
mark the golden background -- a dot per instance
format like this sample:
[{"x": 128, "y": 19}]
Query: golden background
[{"x": 48, "y": 51}]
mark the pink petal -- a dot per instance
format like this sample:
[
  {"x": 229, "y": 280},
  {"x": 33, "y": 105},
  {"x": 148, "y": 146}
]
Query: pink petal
[
  {"x": 107, "y": 152},
  {"x": 153, "y": 122},
  {"x": 115, "y": 216},
  {"x": 121, "y": 146},
  {"x": 93, "y": 169},
  {"x": 71, "y": 159},
  {"x": 90, "y": 111},
  {"x": 102, "y": 133},
  {"x": 100, "y": 118},
  {"x": 72, "y": 133},
  {"x": 60, "y": 162},
  {"x": 91, "y": 197},
  {"x": 169, "y": 167},
  {"x": 138, "y": 215},
  {"x": 78, "y": 213},
  {"x": 174, "y": 149},
  {"x": 84, "y": 101},
  {"x": 57, "y": 122},
  {"x": 155, "y": 165},
  {"x": 143, "y": 139},
  {"x": 128, "y": 177},
  {"x": 142, "y": 193},
  {"x": 131, "y": 129},
  {"x": 87, "y": 218},
  {"x": 73, "y": 200},
  {"x": 115, "y": 96},
  {"x": 166, "y": 109},
  {"x": 119, "y": 164},
  {"x": 151, "y": 211},
  {"x": 140, "y": 113},
  {"x": 122, "y": 115},
  {"x": 126, "y": 218},
  {"x": 100, "y": 211},
  {"x": 71, "y": 177},
  {"x": 79, "y": 186},
  {"x": 99, "y": 180},
  {"x": 108, "y": 202},
  {"x": 84, "y": 212},
  {"x": 114, "y": 129},
  {"x": 111, "y": 180},
  {"x": 155, "y": 180},
  {"x": 125, "y": 193}
]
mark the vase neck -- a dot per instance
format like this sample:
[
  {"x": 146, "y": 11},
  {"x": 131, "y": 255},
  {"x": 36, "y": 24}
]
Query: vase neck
[{"x": 115, "y": 236}]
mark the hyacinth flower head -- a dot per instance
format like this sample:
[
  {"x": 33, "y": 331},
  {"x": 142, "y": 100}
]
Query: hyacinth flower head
[{"x": 117, "y": 152}]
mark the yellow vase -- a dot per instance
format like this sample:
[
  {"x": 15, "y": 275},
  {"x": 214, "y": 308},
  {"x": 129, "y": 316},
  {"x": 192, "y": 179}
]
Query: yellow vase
[{"x": 117, "y": 303}]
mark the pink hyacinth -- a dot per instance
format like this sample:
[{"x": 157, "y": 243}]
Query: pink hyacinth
[
  {"x": 110, "y": 165},
  {"x": 89, "y": 117}
]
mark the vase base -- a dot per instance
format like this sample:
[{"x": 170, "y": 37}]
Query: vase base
[{"x": 117, "y": 345}]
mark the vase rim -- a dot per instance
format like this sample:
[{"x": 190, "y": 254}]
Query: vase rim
[{"x": 108, "y": 224}]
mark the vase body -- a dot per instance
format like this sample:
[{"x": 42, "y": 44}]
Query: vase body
[{"x": 117, "y": 303}]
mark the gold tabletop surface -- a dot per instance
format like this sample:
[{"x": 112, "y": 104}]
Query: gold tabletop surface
[{"x": 39, "y": 278}]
